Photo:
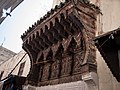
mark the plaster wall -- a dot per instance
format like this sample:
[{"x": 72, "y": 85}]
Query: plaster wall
[
  {"x": 111, "y": 14},
  {"x": 109, "y": 18},
  {"x": 106, "y": 79}
]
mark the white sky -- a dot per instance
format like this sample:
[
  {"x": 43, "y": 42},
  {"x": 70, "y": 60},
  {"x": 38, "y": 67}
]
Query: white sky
[{"x": 28, "y": 12}]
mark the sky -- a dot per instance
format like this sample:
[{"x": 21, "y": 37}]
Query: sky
[{"x": 26, "y": 14}]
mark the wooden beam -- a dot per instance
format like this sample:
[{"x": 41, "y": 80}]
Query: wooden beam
[
  {"x": 60, "y": 28},
  {"x": 33, "y": 45},
  {"x": 37, "y": 45},
  {"x": 41, "y": 43},
  {"x": 49, "y": 36},
  {"x": 46, "y": 40},
  {"x": 56, "y": 34},
  {"x": 67, "y": 26},
  {"x": 76, "y": 21}
]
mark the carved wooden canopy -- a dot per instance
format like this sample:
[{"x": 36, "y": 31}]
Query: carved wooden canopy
[{"x": 60, "y": 44}]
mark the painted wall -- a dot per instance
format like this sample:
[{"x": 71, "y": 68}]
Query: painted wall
[{"x": 10, "y": 64}]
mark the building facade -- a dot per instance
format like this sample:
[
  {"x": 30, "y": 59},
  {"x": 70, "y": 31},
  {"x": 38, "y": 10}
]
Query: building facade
[
  {"x": 61, "y": 48},
  {"x": 17, "y": 65}
]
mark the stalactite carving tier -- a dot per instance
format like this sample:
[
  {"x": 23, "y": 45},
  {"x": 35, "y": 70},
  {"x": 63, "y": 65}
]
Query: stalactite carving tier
[{"x": 60, "y": 44}]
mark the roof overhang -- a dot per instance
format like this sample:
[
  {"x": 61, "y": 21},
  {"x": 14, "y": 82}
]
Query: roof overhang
[{"x": 109, "y": 46}]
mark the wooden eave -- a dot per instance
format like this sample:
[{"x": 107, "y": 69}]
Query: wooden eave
[
  {"x": 59, "y": 23},
  {"x": 62, "y": 8}
]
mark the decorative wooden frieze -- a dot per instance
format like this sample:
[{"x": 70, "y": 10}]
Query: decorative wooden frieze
[{"x": 60, "y": 45}]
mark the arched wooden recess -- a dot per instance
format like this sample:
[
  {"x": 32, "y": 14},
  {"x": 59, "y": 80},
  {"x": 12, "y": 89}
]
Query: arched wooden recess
[
  {"x": 47, "y": 66},
  {"x": 68, "y": 59},
  {"x": 56, "y": 65}
]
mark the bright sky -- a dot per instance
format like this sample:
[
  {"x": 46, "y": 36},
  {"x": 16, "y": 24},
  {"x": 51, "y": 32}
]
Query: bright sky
[{"x": 28, "y": 12}]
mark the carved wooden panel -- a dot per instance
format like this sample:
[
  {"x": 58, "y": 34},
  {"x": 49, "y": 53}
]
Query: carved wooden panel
[
  {"x": 49, "y": 56},
  {"x": 55, "y": 69},
  {"x": 33, "y": 76},
  {"x": 40, "y": 72},
  {"x": 66, "y": 66},
  {"x": 45, "y": 74},
  {"x": 72, "y": 46},
  {"x": 77, "y": 63}
]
